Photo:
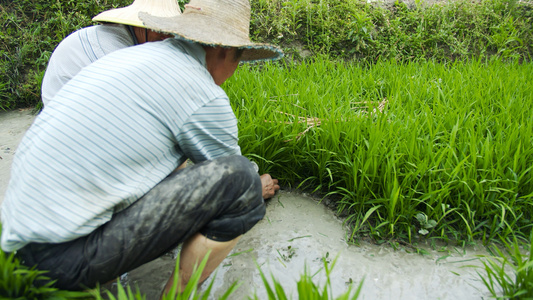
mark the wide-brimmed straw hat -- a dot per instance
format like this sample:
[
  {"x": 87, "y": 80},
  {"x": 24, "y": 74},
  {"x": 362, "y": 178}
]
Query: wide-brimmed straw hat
[
  {"x": 223, "y": 23},
  {"x": 129, "y": 15}
]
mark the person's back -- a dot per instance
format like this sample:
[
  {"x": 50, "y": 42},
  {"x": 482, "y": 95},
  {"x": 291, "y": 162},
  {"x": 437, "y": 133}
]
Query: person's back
[
  {"x": 80, "y": 49},
  {"x": 121, "y": 28}
]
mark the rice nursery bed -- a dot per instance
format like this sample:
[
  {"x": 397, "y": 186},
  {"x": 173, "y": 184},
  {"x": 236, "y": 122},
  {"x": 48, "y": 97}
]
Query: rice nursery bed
[{"x": 406, "y": 150}]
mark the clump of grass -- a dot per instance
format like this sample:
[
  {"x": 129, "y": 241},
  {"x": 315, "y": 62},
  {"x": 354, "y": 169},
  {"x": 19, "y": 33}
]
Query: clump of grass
[
  {"x": 497, "y": 277},
  {"x": 24, "y": 57},
  {"x": 306, "y": 288},
  {"x": 452, "y": 142},
  {"x": 20, "y": 282},
  {"x": 191, "y": 291}
]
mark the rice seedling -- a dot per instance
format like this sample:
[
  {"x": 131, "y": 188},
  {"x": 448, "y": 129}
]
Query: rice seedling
[
  {"x": 307, "y": 288},
  {"x": 391, "y": 141},
  {"x": 190, "y": 292},
  {"x": 20, "y": 282},
  {"x": 509, "y": 275}
]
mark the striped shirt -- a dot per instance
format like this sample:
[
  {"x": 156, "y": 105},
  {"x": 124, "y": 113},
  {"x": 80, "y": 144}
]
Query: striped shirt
[
  {"x": 110, "y": 135},
  {"x": 78, "y": 50}
]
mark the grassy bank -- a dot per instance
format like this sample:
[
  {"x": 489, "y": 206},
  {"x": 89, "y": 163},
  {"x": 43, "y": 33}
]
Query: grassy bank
[
  {"x": 353, "y": 29},
  {"x": 407, "y": 149}
]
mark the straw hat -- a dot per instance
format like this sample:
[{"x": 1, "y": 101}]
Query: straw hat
[
  {"x": 129, "y": 15},
  {"x": 215, "y": 23}
]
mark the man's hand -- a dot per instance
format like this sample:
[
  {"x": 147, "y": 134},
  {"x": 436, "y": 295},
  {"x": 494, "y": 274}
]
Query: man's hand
[{"x": 270, "y": 186}]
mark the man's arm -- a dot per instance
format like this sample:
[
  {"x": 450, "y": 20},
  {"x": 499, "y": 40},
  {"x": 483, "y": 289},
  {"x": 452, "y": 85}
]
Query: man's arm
[{"x": 210, "y": 132}]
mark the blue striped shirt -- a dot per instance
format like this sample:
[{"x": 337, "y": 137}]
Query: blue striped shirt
[{"x": 110, "y": 135}]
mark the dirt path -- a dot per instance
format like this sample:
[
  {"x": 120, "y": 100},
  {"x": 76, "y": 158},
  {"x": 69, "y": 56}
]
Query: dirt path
[
  {"x": 13, "y": 125},
  {"x": 298, "y": 232}
]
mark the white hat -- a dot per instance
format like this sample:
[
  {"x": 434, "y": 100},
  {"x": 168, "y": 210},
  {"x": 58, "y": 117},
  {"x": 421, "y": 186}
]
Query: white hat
[
  {"x": 129, "y": 15},
  {"x": 223, "y": 23}
]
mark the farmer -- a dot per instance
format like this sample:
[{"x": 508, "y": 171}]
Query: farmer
[
  {"x": 121, "y": 28},
  {"x": 93, "y": 191}
]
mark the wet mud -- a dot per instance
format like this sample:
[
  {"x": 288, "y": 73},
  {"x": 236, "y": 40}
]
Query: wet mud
[
  {"x": 298, "y": 234},
  {"x": 13, "y": 125}
]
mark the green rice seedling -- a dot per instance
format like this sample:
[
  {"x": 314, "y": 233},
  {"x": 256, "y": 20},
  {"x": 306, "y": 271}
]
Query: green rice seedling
[
  {"x": 18, "y": 282},
  {"x": 509, "y": 275},
  {"x": 122, "y": 294},
  {"x": 306, "y": 287},
  {"x": 390, "y": 141},
  {"x": 191, "y": 291},
  {"x": 21, "y": 282}
]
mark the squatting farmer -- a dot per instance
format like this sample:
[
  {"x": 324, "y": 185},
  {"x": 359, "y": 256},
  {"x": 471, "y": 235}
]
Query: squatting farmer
[{"x": 94, "y": 190}]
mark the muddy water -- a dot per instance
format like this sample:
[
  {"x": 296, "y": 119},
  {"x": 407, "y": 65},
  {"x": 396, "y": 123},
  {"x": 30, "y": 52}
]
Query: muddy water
[{"x": 296, "y": 233}]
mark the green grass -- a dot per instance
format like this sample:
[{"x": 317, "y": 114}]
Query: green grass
[
  {"x": 346, "y": 29},
  {"x": 509, "y": 274},
  {"x": 306, "y": 288},
  {"x": 20, "y": 282},
  {"x": 30, "y": 32},
  {"x": 356, "y": 29},
  {"x": 453, "y": 143},
  {"x": 191, "y": 291}
]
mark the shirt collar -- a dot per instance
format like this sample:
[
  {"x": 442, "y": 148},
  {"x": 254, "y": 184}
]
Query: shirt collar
[{"x": 193, "y": 49}]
